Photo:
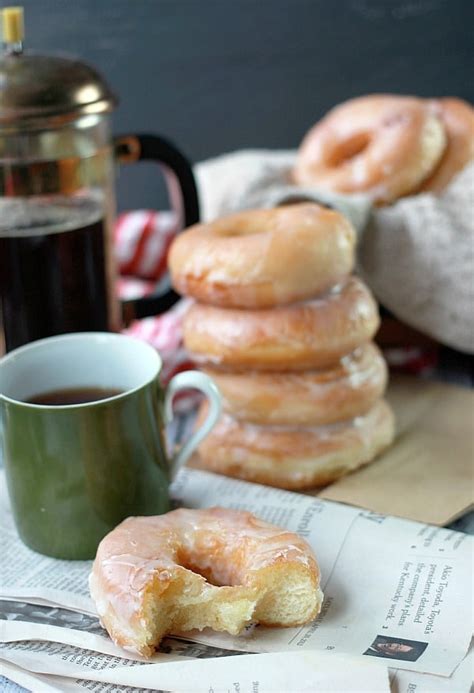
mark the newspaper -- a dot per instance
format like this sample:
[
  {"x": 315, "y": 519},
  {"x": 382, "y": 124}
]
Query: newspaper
[
  {"x": 43, "y": 656},
  {"x": 22, "y": 621},
  {"x": 40, "y": 579},
  {"x": 286, "y": 671},
  {"x": 460, "y": 682},
  {"x": 394, "y": 589}
]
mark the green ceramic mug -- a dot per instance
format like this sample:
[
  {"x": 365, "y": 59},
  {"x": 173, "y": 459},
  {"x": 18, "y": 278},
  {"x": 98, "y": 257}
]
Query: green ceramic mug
[{"x": 77, "y": 470}]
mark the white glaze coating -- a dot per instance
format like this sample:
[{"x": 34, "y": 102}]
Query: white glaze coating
[
  {"x": 230, "y": 546},
  {"x": 312, "y": 398},
  {"x": 457, "y": 117},
  {"x": 381, "y": 145},
  {"x": 307, "y": 335},
  {"x": 262, "y": 258},
  {"x": 296, "y": 457}
]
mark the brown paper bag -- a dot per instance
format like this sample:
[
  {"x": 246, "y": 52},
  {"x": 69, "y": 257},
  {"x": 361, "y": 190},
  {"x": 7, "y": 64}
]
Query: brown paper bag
[{"x": 428, "y": 473}]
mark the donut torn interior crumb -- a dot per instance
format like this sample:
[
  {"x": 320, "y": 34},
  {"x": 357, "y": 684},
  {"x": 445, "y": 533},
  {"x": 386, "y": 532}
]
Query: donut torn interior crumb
[{"x": 285, "y": 596}]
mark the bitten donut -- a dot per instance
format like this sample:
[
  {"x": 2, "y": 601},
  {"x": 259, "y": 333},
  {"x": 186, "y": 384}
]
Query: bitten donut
[
  {"x": 188, "y": 569},
  {"x": 384, "y": 146},
  {"x": 312, "y": 398},
  {"x": 295, "y": 457},
  {"x": 263, "y": 258},
  {"x": 457, "y": 117},
  {"x": 307, "y": 335}
]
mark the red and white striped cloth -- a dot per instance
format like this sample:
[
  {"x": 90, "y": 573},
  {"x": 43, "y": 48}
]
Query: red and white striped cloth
[
  {"x": 142, "y": 240},
  {"x": 130, "y": 288},
  {"x": 164, "y": 333}
]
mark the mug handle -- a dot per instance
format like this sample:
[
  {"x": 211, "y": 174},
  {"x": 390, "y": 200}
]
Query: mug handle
[
  {"x": 196, "y": 381},
  {"x": 183, "y": 194}
]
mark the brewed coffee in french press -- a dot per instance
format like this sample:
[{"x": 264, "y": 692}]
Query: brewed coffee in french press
[{"x": 57, "y": 194}]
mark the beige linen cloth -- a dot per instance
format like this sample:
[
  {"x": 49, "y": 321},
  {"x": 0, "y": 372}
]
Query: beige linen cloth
[{"x": 416, "y": 255}]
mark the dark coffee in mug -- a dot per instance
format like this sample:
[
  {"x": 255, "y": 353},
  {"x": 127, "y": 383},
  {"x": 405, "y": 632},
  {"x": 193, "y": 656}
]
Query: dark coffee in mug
[{"x": 73, "y": 395}]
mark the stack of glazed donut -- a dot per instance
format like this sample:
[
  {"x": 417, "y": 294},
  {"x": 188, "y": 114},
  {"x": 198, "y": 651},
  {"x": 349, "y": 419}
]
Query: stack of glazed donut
[
  {"x": 387, "y": 146},
  {"x": 285, "y": 331}
]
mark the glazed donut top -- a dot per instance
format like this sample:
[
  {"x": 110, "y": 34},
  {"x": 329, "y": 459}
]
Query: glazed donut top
[
  {"x": 262, "y": 258},
  {"x": 381, "y": 145},
  {"x": 457, "y": 117},
  {"x": 225, "y": 545}
]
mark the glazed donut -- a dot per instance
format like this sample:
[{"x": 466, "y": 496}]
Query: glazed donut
[
  {"x": 312, "y": 334},
  {"x": 457, "y": 117},
  {"x": 295, "y": 457},
  {"x": 188, "y": 569},
  {"x": 384, "y": 146},
  {"x": 310, "y": 398},
  {"x": 265, "y": 257}
]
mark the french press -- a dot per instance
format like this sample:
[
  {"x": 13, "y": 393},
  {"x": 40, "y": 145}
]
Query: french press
[{"x": 57, "y": 204}]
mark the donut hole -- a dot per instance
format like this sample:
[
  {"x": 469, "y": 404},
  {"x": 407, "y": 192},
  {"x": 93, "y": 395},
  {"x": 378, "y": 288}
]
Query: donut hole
[
  {"x": 348, "y": 149},
  {"x": 203, "y": 563},
  {"x": 299, "y": 200},
  {"x": 206, "y": 572},
  {"x": 242, "y": 224},
  {"x": 234, "y": 232}
]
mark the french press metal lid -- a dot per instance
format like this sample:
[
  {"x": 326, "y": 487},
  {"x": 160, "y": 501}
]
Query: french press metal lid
[{"x": 45, "y": 90}]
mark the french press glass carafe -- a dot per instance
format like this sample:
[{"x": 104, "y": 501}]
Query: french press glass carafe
[{"x": 57, "y": 203}]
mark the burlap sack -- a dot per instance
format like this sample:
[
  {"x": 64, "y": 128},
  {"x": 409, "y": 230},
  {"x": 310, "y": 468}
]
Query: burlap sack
[{"x": 416, "y": 255}]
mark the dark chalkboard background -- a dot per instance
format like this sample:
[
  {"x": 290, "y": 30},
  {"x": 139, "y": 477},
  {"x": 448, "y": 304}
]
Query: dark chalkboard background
[{"x": 218, "y": 75}]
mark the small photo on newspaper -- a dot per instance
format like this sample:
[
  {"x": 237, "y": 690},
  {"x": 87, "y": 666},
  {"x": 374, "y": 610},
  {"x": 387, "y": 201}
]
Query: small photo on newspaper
[{"x": 396, "y": 648}]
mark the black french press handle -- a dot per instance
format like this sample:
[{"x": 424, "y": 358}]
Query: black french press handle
[{"x": 183, "y": 194}]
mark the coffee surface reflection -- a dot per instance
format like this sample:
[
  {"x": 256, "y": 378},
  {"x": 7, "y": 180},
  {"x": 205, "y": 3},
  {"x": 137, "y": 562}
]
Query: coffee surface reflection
[{"x": 74, "y": 395}]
